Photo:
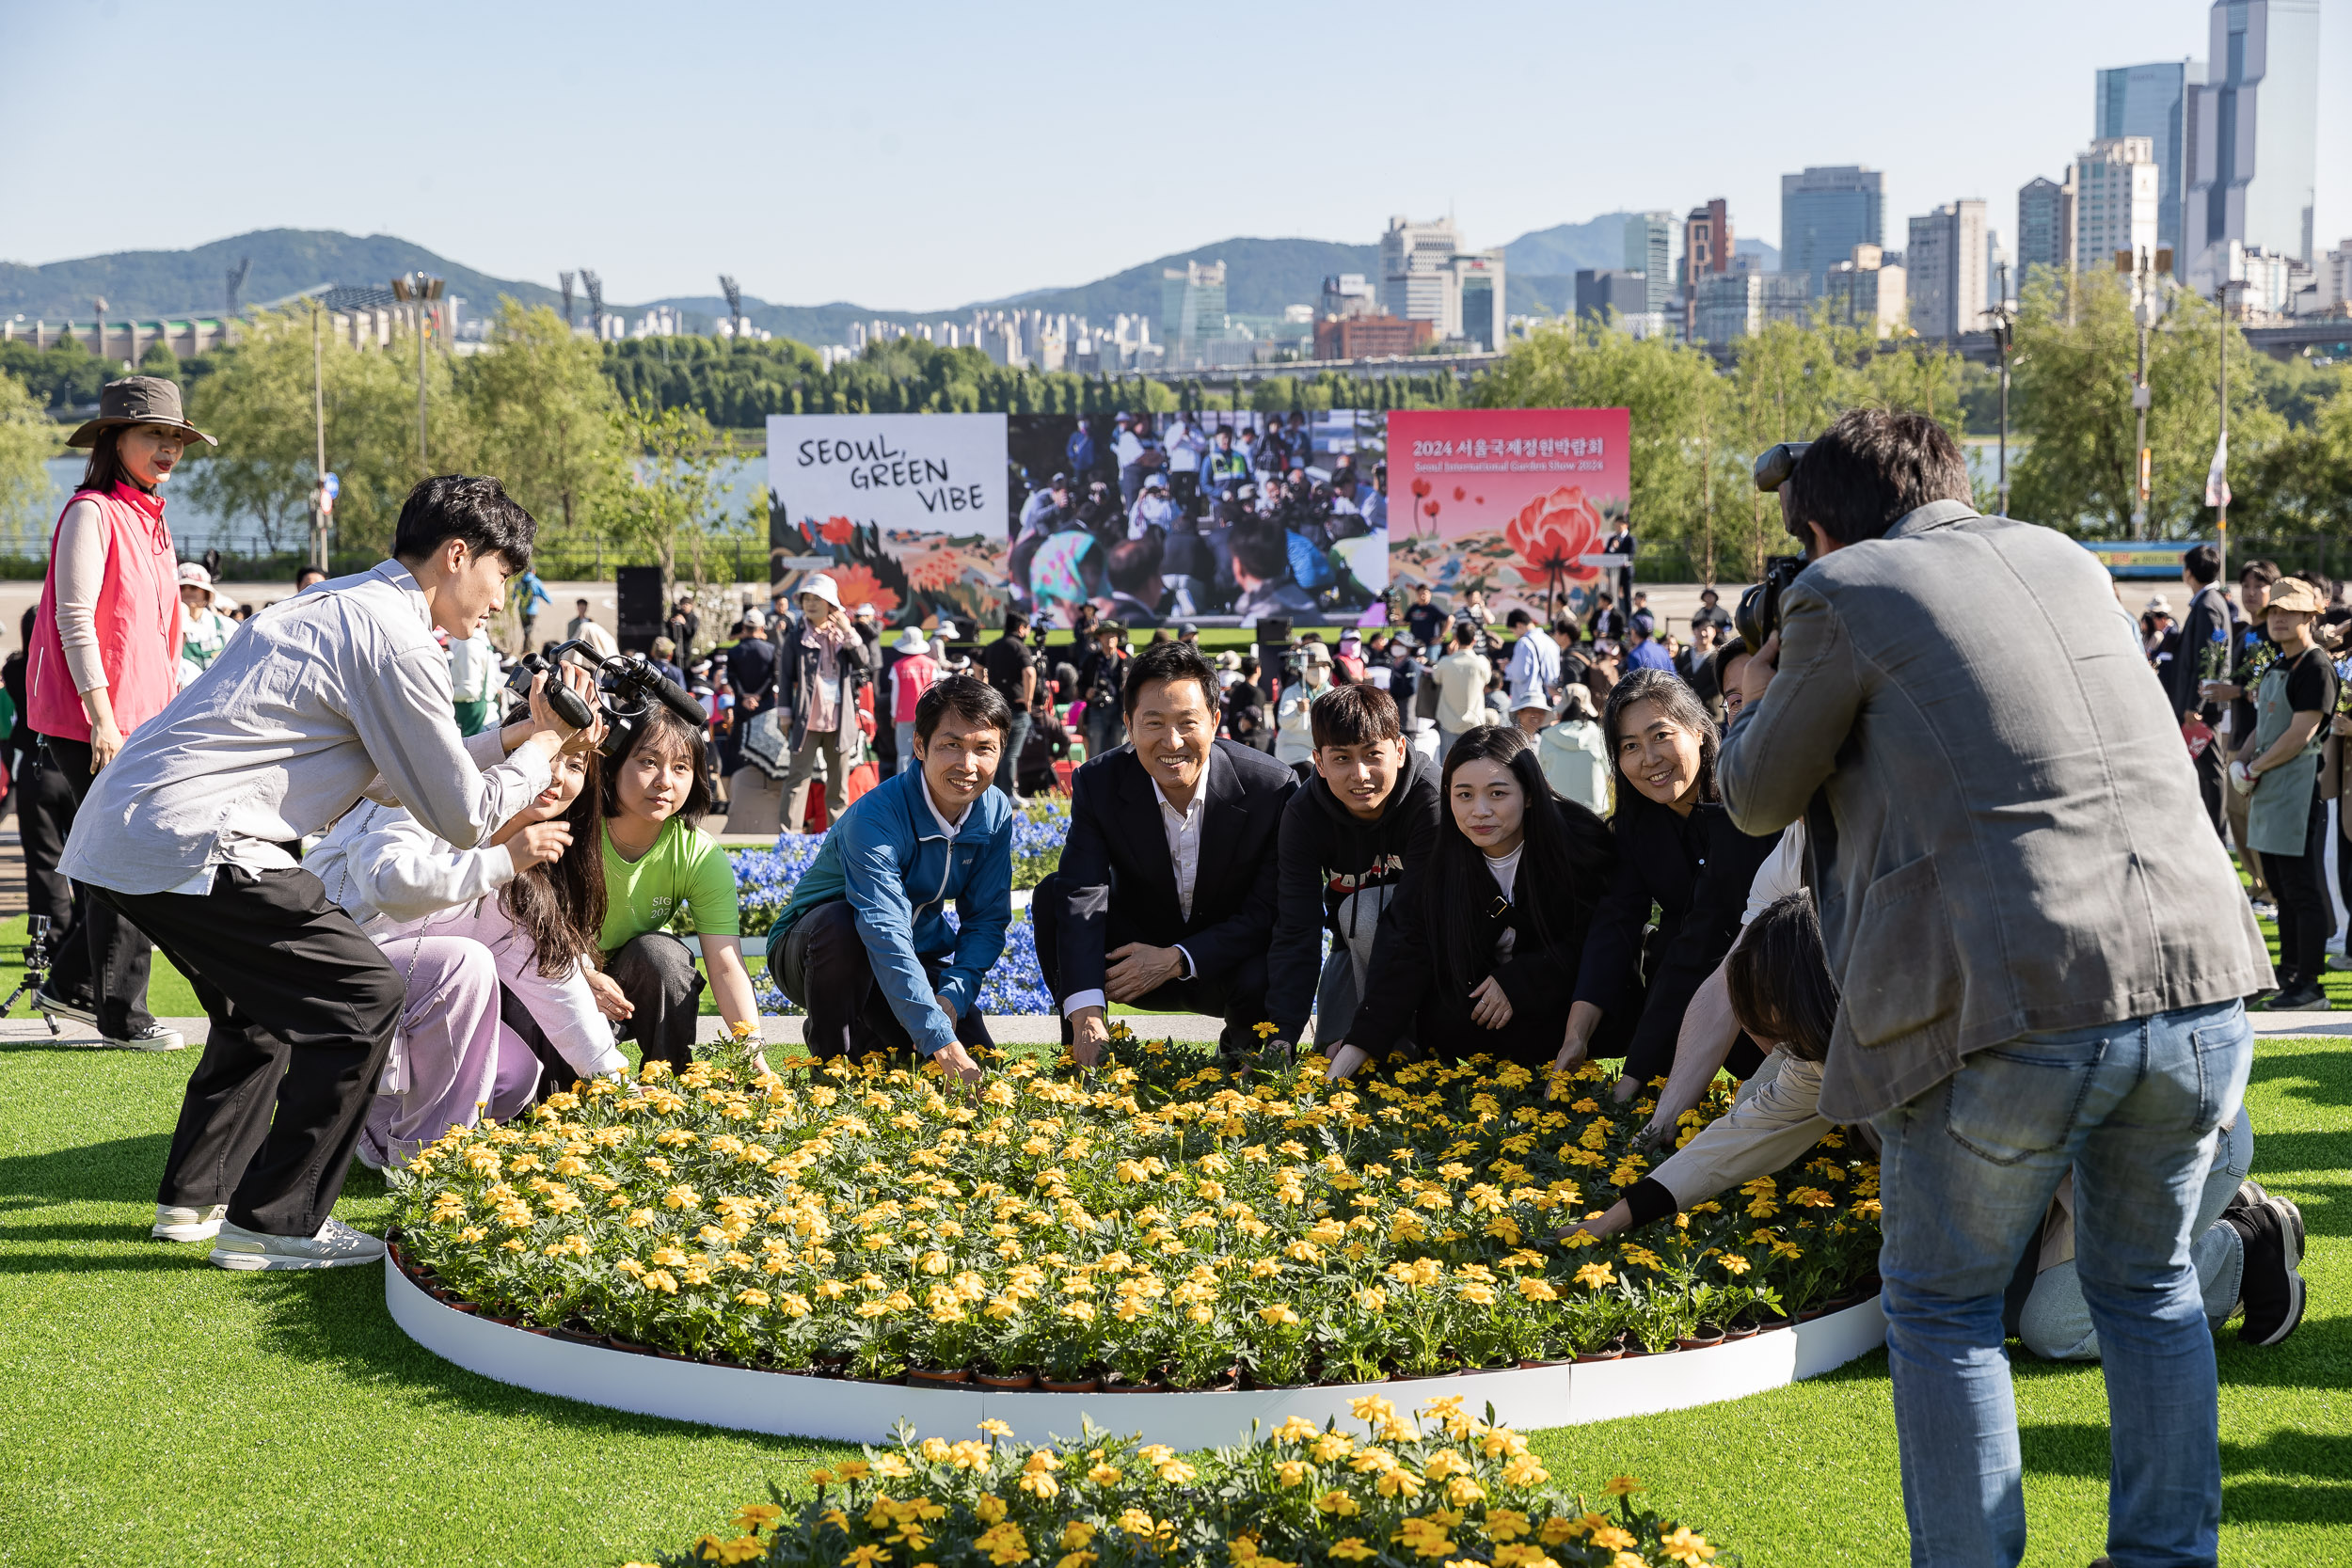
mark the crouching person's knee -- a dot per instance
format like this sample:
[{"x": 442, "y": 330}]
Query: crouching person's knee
[{"x": 659, "y": 968}]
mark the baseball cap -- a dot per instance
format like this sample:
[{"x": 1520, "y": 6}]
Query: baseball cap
[{"x": 193, "y": 575}]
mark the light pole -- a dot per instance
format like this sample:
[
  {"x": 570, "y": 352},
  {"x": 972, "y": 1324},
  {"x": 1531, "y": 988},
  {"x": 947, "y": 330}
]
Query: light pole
[
  {"x": 2004, "y": 334},
  {"x": 2146, "y": 309},
  {"x": 2222, "y": 511},
  {"x": 319, "y": 500},
  {"x": 419, "y": 292}
]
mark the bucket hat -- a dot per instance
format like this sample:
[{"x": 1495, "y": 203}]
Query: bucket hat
[
  {"x": 822, "y": 586},
  {"x": 137, "y": 400},
  {"x": 911, "y": 641}
]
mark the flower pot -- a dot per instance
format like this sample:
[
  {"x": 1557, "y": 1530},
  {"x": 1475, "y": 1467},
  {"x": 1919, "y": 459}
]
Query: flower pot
[
  {"x": 1080, "y": 1385},
  {"x": 1530, "y": 1366},
  {"x": 455, "y": 1306},
  {"x": 503, "y": 1323},
  {"x": 672, "y": 1355},
  {"x": 1700, "y": 1341},
  {"x": 1740, "y": 1331},
  {"x": 1839, "y": 1303},
  {"x": 930, "y": 1377},
  {"x": 578, "y": 1333},
  {"x": 1818, "y": 1310},
  {"x": 627, "y": 1348},
  {"x": 1606, "y": 1353},
  {"x": 1005, "y": 1382}
]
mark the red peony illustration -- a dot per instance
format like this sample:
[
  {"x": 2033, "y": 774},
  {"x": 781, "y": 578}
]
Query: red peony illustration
[
  {"x": 859, "y": 585},
  {"x": 1552, "y": 533},
  {"x": 837, "y": 531},
  {"x": 1420, "y": 486}
]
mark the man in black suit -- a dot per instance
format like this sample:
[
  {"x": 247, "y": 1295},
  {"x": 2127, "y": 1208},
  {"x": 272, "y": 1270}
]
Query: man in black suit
[
  {"x": 1164, "y": 898},
  {"x": 2207, "y": 624}
]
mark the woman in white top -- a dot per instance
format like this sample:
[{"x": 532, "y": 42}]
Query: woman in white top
[
  {"x": 1294, "y": 731},
  {"x": 467, "y": 929}
]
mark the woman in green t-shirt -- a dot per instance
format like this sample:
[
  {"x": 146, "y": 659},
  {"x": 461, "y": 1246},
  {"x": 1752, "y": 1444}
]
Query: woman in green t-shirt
[{"x": 656, "y": 860}]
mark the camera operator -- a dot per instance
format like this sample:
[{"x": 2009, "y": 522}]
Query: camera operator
[
  {"x": 189, "y": 834},
  {"x": 2040, "y": 949}
]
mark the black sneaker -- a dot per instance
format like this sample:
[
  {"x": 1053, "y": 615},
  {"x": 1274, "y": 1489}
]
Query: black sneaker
[
  {"x": 2251, "y": 1193},
  {"x": 2271, "y": 1291},
  {"x": 2303, "y": 997}
]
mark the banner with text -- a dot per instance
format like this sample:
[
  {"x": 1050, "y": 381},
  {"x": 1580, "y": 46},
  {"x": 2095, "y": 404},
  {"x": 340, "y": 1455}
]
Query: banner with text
[
  {"x": 906, "y": 511},
  {"x": 1514, "y": 502}
]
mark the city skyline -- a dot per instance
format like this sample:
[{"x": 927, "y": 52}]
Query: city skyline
[{"x": 937, "y": 179}]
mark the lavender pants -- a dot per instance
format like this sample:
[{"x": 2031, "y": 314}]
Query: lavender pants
[{"x": 453, "y": 1061}]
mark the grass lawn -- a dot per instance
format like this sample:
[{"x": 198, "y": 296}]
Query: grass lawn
[{"x": 161, "y": 1411}]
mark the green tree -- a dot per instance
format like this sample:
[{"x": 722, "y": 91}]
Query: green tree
[
  {"x": 2070, "y": 397},
  {"x": 27, "y": 440},
  {"x": 675, "y": 499},
  {"x": 258, "y": 407},
  {"x": 544, "y": 418},
  {"x": 2300, "y": 485},
  {"x": 160, "y": 360}
]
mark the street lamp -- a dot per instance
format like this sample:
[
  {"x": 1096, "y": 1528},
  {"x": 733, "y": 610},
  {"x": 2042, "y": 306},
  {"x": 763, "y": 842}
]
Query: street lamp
[
  {"x": 417, "y": 289},
  {"x": 2004, "y": 337},
  {"x": 2146, "y": 309}
]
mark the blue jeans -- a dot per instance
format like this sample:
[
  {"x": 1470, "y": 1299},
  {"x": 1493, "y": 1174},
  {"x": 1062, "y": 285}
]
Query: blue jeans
[{"x": 1967, "y": 1171}]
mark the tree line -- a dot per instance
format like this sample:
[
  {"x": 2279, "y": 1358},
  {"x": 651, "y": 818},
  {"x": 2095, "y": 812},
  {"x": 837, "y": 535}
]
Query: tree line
[{"x": 623, "y": 445}]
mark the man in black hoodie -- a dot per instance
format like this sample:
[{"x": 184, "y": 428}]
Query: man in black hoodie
[{"x": 1370, "y": 811}]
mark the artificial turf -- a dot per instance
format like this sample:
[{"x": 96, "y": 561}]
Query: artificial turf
[{"x": 158, "y": 1411}]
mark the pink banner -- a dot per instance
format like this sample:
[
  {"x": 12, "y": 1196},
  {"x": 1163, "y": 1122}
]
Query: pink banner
[{"x": 1511, "y": 502}]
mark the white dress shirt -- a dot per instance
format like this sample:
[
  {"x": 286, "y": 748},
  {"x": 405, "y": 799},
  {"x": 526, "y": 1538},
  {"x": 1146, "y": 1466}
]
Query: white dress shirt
[
  {"x": 306, "y": 707},
  {"x": 1183, "y": 827}
]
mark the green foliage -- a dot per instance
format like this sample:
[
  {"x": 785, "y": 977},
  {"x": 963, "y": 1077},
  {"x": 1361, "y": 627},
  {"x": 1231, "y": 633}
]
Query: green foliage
[
  {"x": 64, "y": 375},
  {"x": 2301, "y": 485},
  {"x": 676, "y": 497},
  {"x": 160, "y": 360},
  {"x": 2072, "y": 397},
  {"x": 27, "y": 440},
  {"x": 258, "y": 407},
  {"x": 540, "y": 414}
]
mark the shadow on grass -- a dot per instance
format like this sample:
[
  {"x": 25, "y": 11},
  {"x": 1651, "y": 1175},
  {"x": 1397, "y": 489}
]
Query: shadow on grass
[
  {"x": 337, "y": 1319},
  {"x": 2300, "y": 1479},
  {"x": 110, "y": 1172},
  {"x": 2323, "y": 1077}
]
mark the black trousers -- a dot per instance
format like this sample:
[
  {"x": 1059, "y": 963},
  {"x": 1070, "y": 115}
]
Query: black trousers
[
  {"x": 1237, "y": 996},
  {"x": 2212, "y": 766},
  {"x": 2298, "y": 883},
  {"x": 658, "y": 974},
  {"x": 302, "y": 1010},
  {"x": 826, "y": 969},
  {"x": 2343, "y": 863},
  {"x": 44, "y": 814},
  {"x": 102, "y": 959},
  {"x": 1008, "y": 765}
]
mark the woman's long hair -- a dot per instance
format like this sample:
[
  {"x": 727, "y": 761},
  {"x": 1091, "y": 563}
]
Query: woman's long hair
[
  {"x": 559, "y": 906},
  {"x": 1557, "y": 870},
  {"x": 1678, "y": 702},
  {"x": 1779, "y": 982},
  {"x": 104, "y": 469}
]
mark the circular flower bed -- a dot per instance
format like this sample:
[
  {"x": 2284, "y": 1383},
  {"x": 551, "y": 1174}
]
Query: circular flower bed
[
  {"x": 1161, "y": 1223},
  {"x": 1441, "y": 1488}
]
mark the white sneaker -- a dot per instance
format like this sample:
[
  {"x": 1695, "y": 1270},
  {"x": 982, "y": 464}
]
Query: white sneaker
[
  {"x": 187, "y": 1224},
  {"x": 335, "y": 1246},
  {"x": 153, "y": 1037},
  {"x": 57, "y": 1007}
]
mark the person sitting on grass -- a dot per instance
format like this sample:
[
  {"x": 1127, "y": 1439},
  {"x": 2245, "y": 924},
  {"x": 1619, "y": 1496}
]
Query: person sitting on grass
[
  {"x": 656, "y": 862},
  {"x": 865, "y": 943},
  {"x": 2248, "y": 1242},
  {"x": 1488, "y": 931},
  {"x": 492, "y": 943}
]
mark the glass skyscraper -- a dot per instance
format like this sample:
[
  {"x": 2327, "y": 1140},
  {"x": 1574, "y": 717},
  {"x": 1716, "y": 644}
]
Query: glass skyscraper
[
  {"x": 2253, "y": 131},
  {"x": 2152, "y": 100},
  {"x": 1825, "y": 213}
]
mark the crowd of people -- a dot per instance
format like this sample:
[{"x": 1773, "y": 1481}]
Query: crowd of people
[
  {"x": 1183, "y": 515},
  {"x": 2016, "y": 967}
]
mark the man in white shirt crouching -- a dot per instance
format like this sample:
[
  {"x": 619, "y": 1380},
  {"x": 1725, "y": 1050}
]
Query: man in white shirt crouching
[{"x": 190, "y": 834}]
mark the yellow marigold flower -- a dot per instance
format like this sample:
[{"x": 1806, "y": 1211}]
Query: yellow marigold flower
[
  {"x": 1734, "y": 1264},
  {"x": 660, "y": 1279},
  {"x": 1684, "y": 1546},
  {"x": 755, "y": 1516},
  {"x": 1399, "y": 1484},
  {"x": 1177, "y": 1473},
  {"x": 1077, "y": 1534},
  {"x": 1507, "y": 1524},
  {"x": 752, "y": 1298},
  {"x": 1103, "y": 1474},
  {"x": 866, "y": 1557},
  {"x": 891, "y": 1467},
  {"x": 1525, "y": 1470},
  {"x": 1621, "y": 1486},
  {"x": 1278, "y": 1315},
  {"x": 1593, "y": 1275},
  {"x": 855, "y": 1470},
  {"x": 1371, "y": 1407},
  {"x": 1292, "y": 1472},
  {"x": 1558, "y": 1532},
  {"x": 995, "y": 1429},
  {"x": 1352, "y": 1549},
  {"x": 1613, "y": 1538},
  {"x": 669, "y": 1258}
]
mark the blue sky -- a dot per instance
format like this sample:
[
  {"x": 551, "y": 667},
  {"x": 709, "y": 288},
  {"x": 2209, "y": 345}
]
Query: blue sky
[{"x": 921, "y": 156}]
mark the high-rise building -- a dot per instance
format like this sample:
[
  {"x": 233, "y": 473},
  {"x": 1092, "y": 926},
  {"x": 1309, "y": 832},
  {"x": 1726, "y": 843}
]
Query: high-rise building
[
  {"x": 1600, "y": 293},
  {"x": 1477, "y": 304},
  {"x": 1867, "y": 290},
  {"x": 1997, "y": 270},
  {"x": 1825, "y": 213},
  {"x": 1416, "y": 264},
  {"x": 1649, "y": 239},
  {"x": 2045, "y": 226},
  {"x": 2117, "y": 197},
  {"x": 1346, "y": 293},
  {"x": 1741, "y": 303},
  {"x": 1945, "y": 265},
  {"x": 2252, "y": 135},
  {"x": 2152, "y": 100},
  {"x": 1192, "y": 301},
  {"x": 2335, "y": 276},
  {"x": 1707, "y": 248}
]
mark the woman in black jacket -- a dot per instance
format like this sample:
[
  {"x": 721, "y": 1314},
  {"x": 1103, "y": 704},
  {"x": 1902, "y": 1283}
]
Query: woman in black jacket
[
  {"x": 1488, "y": 932},
  {"x": 1677, "y": 849}
]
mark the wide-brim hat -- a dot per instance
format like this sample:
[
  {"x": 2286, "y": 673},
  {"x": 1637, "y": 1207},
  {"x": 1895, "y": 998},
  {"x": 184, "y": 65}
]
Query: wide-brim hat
[
  {"x": 822, "y": 586},
  {"x": 911, "y": 641},
  {"x": 137, "y": 400},
  {"x": 1576, "y": 702},
  {"x": 2296, "y": 597}
]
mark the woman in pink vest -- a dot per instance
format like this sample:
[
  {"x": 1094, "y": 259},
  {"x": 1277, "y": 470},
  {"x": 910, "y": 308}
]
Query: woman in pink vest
[{"x": 106, "y": 651}]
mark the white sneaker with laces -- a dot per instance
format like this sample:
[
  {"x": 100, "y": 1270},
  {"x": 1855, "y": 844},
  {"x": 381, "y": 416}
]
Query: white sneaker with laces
[
  {"x": 57, "y": 1007},
  {"x": 187, "y": 1224},
  {"x": 335, "y": 1246},
  {"x": 153, "y": 1037}
]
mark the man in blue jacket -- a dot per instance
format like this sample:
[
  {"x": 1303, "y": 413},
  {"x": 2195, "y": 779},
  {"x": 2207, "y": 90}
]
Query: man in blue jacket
[{"x": 865, "y": 943}]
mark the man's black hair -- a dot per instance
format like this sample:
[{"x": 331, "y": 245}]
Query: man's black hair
[
  {"x": 2204, "y": 563},
  {"x": 1518, "y": 618},
  {"x": 1870, "y": 468},
  {"x": 1262, "y": 549},
  {"x": 2264, "y": 572},
  {"x": 1566, "y": 629},
  {"x": 1167, "y": 661},
  {"x": 1133, "y": 563},
  {"x": 1016, "y": 622},
  {"x": 474, "y": 510},
  {"x": 975, "y": 702},
  {"x": 1465, "y": 635},
  {"x": 1353, "y": 715}
]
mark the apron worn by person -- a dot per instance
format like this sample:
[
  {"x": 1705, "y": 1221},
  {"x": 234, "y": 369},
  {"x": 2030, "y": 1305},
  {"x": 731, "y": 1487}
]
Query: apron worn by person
[{"x": 2279, "y": 813}]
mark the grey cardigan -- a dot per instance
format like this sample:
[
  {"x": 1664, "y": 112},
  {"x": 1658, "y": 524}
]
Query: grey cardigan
[{"x": 2007, "y": 836}]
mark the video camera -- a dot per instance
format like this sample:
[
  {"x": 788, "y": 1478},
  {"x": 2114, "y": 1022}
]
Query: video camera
[
  {"x": 627, "y": 687},
  {"x": 1758, "y": 614}
]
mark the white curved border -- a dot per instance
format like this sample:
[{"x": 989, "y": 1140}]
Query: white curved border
[{"x": 789, "y": 1404}]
